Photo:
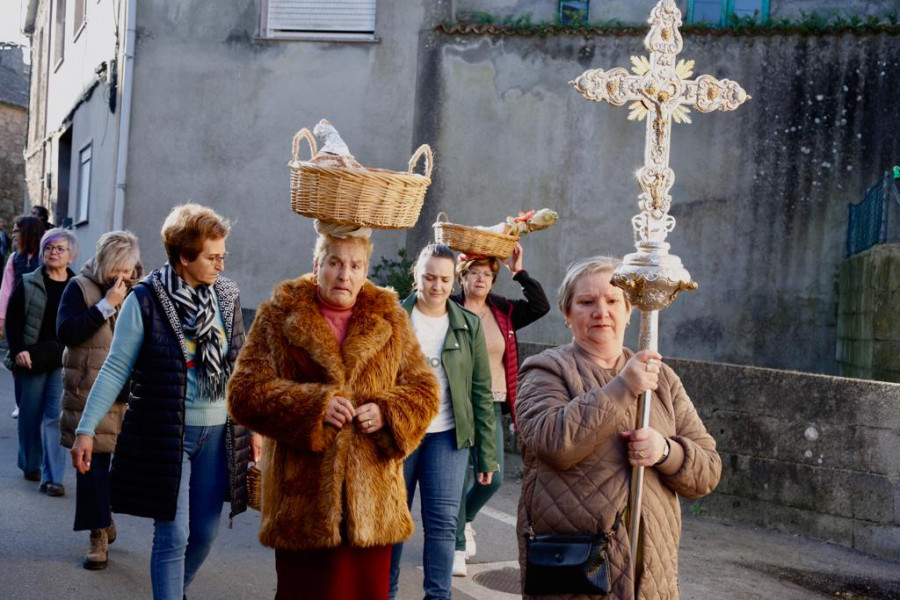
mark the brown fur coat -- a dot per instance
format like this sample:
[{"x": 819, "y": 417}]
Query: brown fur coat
[{"x": 320, "y": 482}]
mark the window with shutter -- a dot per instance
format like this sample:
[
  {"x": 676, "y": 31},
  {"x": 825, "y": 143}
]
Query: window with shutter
[{"x": 319, "y": 19}]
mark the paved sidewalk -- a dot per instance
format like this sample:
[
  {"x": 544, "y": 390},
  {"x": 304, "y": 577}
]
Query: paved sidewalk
[
  {"x": 719, "y": 560},
  {"x": 41, "y": 555}
]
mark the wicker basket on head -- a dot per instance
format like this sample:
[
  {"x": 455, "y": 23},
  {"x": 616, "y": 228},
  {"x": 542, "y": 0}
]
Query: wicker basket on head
[
  {"x": 471, "y": 240},
  {"x": 254, "y": 487},
  {"x": 376, "y": 198}
]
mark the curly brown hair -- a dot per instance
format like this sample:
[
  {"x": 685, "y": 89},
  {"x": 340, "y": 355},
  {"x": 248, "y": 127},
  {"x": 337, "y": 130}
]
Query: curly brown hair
[{"x": 463, "y": 267}]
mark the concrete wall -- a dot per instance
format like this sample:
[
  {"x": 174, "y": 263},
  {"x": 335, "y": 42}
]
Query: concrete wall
[
  {"x": 93, "y": 123},
  {"x": 36, "y": 149},
  {"x": 795, "y": 9},
  {"x": 760, "y": 194},
  {"x": 637, "y": 11},
  {"x": 85, "y": 48},
  {"x": 215, "y": 109},
  {"x": 806, "y": 454},
  {"x": 868, "y": 327}
]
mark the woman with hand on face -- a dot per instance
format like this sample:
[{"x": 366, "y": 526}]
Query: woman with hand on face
[
  {"x": 178, "y": 456},
  {"x": 37, "y": 351},
  {"x": 577, "y": 411},
  {"x": 453, "y": 342},
  {"x": 85, "y": 324},
  {"x": 333, "y": 377},
  {"x": 500, "y": 318}
]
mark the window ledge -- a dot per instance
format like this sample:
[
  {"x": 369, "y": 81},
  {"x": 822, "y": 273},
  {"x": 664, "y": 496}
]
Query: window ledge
[
  {"x": 78, "y": 33},
  {"x": 313, "y": 36}
]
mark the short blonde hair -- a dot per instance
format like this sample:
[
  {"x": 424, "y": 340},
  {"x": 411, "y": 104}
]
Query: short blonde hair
[
  {"x": 577, "y": 270},
  {"x": 116, "y": 250},
  {"x": 188, "y": 227},
  {"x": 323, "y": 241}
]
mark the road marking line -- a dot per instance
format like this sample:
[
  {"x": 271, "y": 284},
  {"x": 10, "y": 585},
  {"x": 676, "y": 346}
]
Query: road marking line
[{"x": 498, "y": 515}]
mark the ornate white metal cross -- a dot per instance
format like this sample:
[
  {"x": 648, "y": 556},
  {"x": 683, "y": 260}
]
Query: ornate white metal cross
[{"x": 660, "y": 91}]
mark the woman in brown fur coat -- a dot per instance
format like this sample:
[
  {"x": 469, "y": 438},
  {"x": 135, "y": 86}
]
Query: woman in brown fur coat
[
  {"x": 577, "y": 411},
  {"x": 333, "y": 377}
]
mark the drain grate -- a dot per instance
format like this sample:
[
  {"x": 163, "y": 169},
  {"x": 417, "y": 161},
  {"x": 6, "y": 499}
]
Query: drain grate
[{"x": 500, "y": 580}]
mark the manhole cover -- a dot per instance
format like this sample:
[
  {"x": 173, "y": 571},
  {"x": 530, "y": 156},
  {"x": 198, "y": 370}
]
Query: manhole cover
[{"x": 500, "y": 580}]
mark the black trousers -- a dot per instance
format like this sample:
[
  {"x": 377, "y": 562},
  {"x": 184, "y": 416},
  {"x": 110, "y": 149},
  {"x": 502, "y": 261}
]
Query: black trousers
[{"x": 92, "y": 494}]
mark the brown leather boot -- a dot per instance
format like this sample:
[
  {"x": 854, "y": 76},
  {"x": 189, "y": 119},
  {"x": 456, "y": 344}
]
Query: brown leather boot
[
  {"x": 98, "y": 554},
  {"x": 111, "y": 532}
]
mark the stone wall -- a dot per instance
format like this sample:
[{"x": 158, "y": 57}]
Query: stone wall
[
  {"x": 806, "y": 454},
  {"x": 13, "y": 124},
  {"x": 868, "y": 327}
]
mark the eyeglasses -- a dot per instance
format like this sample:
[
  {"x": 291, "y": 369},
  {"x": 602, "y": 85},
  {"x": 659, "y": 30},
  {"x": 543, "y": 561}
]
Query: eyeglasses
[
  {"x": 52, "y": 249},
  {"x": 480, "y": 274},
  {"x": 219, "y": 260}
]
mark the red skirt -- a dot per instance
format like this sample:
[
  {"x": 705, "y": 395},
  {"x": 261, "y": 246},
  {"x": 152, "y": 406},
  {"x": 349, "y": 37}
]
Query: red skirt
[{"x": 342, "y": 573}]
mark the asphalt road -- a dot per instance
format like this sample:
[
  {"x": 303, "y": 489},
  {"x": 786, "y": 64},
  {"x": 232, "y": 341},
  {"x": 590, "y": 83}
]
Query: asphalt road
[{"x": 40, "y": 555}]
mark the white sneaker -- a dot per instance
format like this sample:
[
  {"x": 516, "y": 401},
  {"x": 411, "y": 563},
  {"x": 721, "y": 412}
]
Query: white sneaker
[
  {"x": 470, "y": 540},
  {"x": 459, "y": 563},
  {"x": 15, "y": 413}
]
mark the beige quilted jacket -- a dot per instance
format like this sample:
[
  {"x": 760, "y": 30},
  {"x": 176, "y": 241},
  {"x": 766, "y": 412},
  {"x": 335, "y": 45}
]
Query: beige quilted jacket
[{"x": 576, "y": 471}]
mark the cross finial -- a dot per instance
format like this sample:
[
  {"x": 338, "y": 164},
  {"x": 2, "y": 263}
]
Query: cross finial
[{"x": 660, "y": 91}]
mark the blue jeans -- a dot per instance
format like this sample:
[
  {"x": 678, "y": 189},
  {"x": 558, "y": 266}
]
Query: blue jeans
[
  {"x": 474, "y": 495},
  {"x": 38, "y": 425},
  {"x": 181, "y": 546},
  {"x": 440, "y": 470}
]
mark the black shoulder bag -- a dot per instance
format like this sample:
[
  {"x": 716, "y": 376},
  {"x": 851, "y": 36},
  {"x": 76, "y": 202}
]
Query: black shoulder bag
[{"x": 567, "y": 563}]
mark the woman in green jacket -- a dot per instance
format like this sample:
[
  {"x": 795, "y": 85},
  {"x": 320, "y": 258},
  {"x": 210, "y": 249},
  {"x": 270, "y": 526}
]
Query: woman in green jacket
[{"x": 453, "y": 343}]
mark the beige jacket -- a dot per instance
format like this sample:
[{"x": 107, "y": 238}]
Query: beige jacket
[
  {"x": 81, "y": 366},
  {"x": 577, "y": 474}
]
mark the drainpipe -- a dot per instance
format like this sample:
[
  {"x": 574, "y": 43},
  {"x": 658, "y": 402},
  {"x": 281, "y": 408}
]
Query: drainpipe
[{"x": 124, "y": 117}]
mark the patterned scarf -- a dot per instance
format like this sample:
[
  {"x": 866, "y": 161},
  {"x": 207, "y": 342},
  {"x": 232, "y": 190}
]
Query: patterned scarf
[{"x": 197, "y": 311}]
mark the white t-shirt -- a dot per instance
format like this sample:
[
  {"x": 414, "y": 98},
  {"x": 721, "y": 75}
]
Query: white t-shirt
[{"x": 431, "y": 332}]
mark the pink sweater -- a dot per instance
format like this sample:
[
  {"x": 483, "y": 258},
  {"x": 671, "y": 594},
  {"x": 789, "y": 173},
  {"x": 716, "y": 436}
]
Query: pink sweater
[{"x": 337, "y": 316}]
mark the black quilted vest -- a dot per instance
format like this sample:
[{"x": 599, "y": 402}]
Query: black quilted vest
[{"x": 146, "y": 466}]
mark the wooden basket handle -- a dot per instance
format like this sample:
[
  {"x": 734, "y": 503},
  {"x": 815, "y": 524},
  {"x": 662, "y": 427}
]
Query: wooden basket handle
[
  {"x": 441, "y": 218},
  {"x": 308, "y": 136},
  {"x": 429, "y": 160}
]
